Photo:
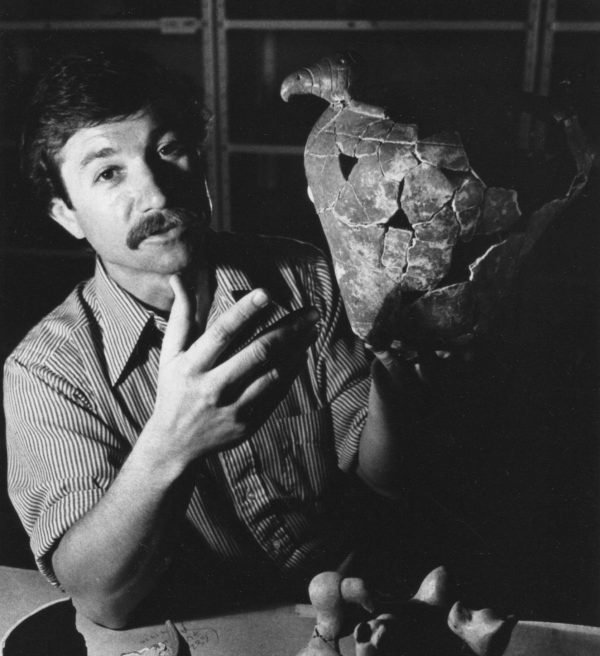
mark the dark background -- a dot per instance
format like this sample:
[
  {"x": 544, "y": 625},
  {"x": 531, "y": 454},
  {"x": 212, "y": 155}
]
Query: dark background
[{"x": 534, "y": 492}]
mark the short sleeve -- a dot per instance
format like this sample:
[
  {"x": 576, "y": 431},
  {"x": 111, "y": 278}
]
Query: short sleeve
[{"x": 61, "y": 456}]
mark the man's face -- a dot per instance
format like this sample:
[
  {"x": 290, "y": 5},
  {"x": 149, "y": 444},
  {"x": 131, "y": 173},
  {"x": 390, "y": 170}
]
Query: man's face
[{"x": 138, "y": 196}]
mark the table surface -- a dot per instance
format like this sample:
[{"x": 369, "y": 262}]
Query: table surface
[
  {"x": 21, "y": 592},
  {"x": 274, "y": 631}
]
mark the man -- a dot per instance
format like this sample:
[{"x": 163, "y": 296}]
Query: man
[{"x": 201, "y": 389}]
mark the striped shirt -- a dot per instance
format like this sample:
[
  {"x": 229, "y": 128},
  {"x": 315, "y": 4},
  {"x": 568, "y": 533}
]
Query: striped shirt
[{"x": 82, "y": 384}]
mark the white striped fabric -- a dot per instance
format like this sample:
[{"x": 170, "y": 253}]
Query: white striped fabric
[{"x": 81, "y": 386}]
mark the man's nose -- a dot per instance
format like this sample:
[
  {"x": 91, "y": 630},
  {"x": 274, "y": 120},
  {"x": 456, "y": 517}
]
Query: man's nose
[{"x": 150, "y": 194}]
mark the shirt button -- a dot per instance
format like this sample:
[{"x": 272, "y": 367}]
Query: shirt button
[
  {"x": 277, "y": 544},
  {"x": 250, "y": 496}
]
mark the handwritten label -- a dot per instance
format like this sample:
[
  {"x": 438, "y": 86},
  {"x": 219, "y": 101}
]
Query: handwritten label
[{"x": 200, "y": 637}]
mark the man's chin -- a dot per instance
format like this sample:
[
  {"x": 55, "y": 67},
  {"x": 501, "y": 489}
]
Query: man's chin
[{"x": 176, "y": 255}]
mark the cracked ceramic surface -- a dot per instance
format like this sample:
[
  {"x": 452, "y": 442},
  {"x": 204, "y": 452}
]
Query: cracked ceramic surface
[{"x": 395, "y": 208}]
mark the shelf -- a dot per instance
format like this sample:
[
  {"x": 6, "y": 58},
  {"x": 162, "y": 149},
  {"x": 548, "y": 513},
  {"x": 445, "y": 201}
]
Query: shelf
[
  {"x": 376, "y": 26},
  {"x": 264, "y": 149},
  {"x": 166, "y": 25},
  {"x": 46, "y": 253},
  {"x": 576, "y": 26}
]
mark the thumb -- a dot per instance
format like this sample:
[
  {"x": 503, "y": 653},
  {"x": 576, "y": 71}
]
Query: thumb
[
  {"x": 389, "y": 368},
  {"x": 180, "y": 321}
]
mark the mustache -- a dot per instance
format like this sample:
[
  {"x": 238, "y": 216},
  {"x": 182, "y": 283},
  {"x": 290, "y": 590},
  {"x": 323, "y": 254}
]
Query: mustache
[{"x": 160, "y": 221}]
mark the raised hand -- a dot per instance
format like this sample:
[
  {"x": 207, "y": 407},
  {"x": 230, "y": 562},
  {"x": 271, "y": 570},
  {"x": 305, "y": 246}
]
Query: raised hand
[{"x": 205, "y": 403}]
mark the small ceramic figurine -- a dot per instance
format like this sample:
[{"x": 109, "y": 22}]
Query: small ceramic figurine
[
  {"x": 417, "y": 627},
  {"x": 329, "y": 592},
  {"x": 396, "y": 209},
  {"x": 430, "y": 623},
  {"x": 484, "y": 631}
]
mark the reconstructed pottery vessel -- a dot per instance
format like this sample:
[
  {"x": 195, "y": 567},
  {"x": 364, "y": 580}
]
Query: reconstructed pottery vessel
[{"x": 395, "y": 208}]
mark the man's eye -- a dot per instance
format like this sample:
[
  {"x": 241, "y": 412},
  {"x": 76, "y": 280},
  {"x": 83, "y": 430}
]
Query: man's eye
[
  {"x": 108, "y": 174},
  {"x": 171, "y": 149}
]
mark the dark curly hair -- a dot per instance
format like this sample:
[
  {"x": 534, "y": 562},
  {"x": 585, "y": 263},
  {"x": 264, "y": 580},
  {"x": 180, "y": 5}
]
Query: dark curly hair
[{"x": 87, "y": 89}]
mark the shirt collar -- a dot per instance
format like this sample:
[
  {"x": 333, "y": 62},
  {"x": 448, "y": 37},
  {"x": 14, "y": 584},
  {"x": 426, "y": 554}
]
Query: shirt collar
[
  {"x": 122, "y": 321},
  {"x": 230, "y": 283},
  {"x": 238, "y": 270}
]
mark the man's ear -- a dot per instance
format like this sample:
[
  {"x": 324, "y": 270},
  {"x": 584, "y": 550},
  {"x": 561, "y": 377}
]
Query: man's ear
[{"x": 66, "y": 217}]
